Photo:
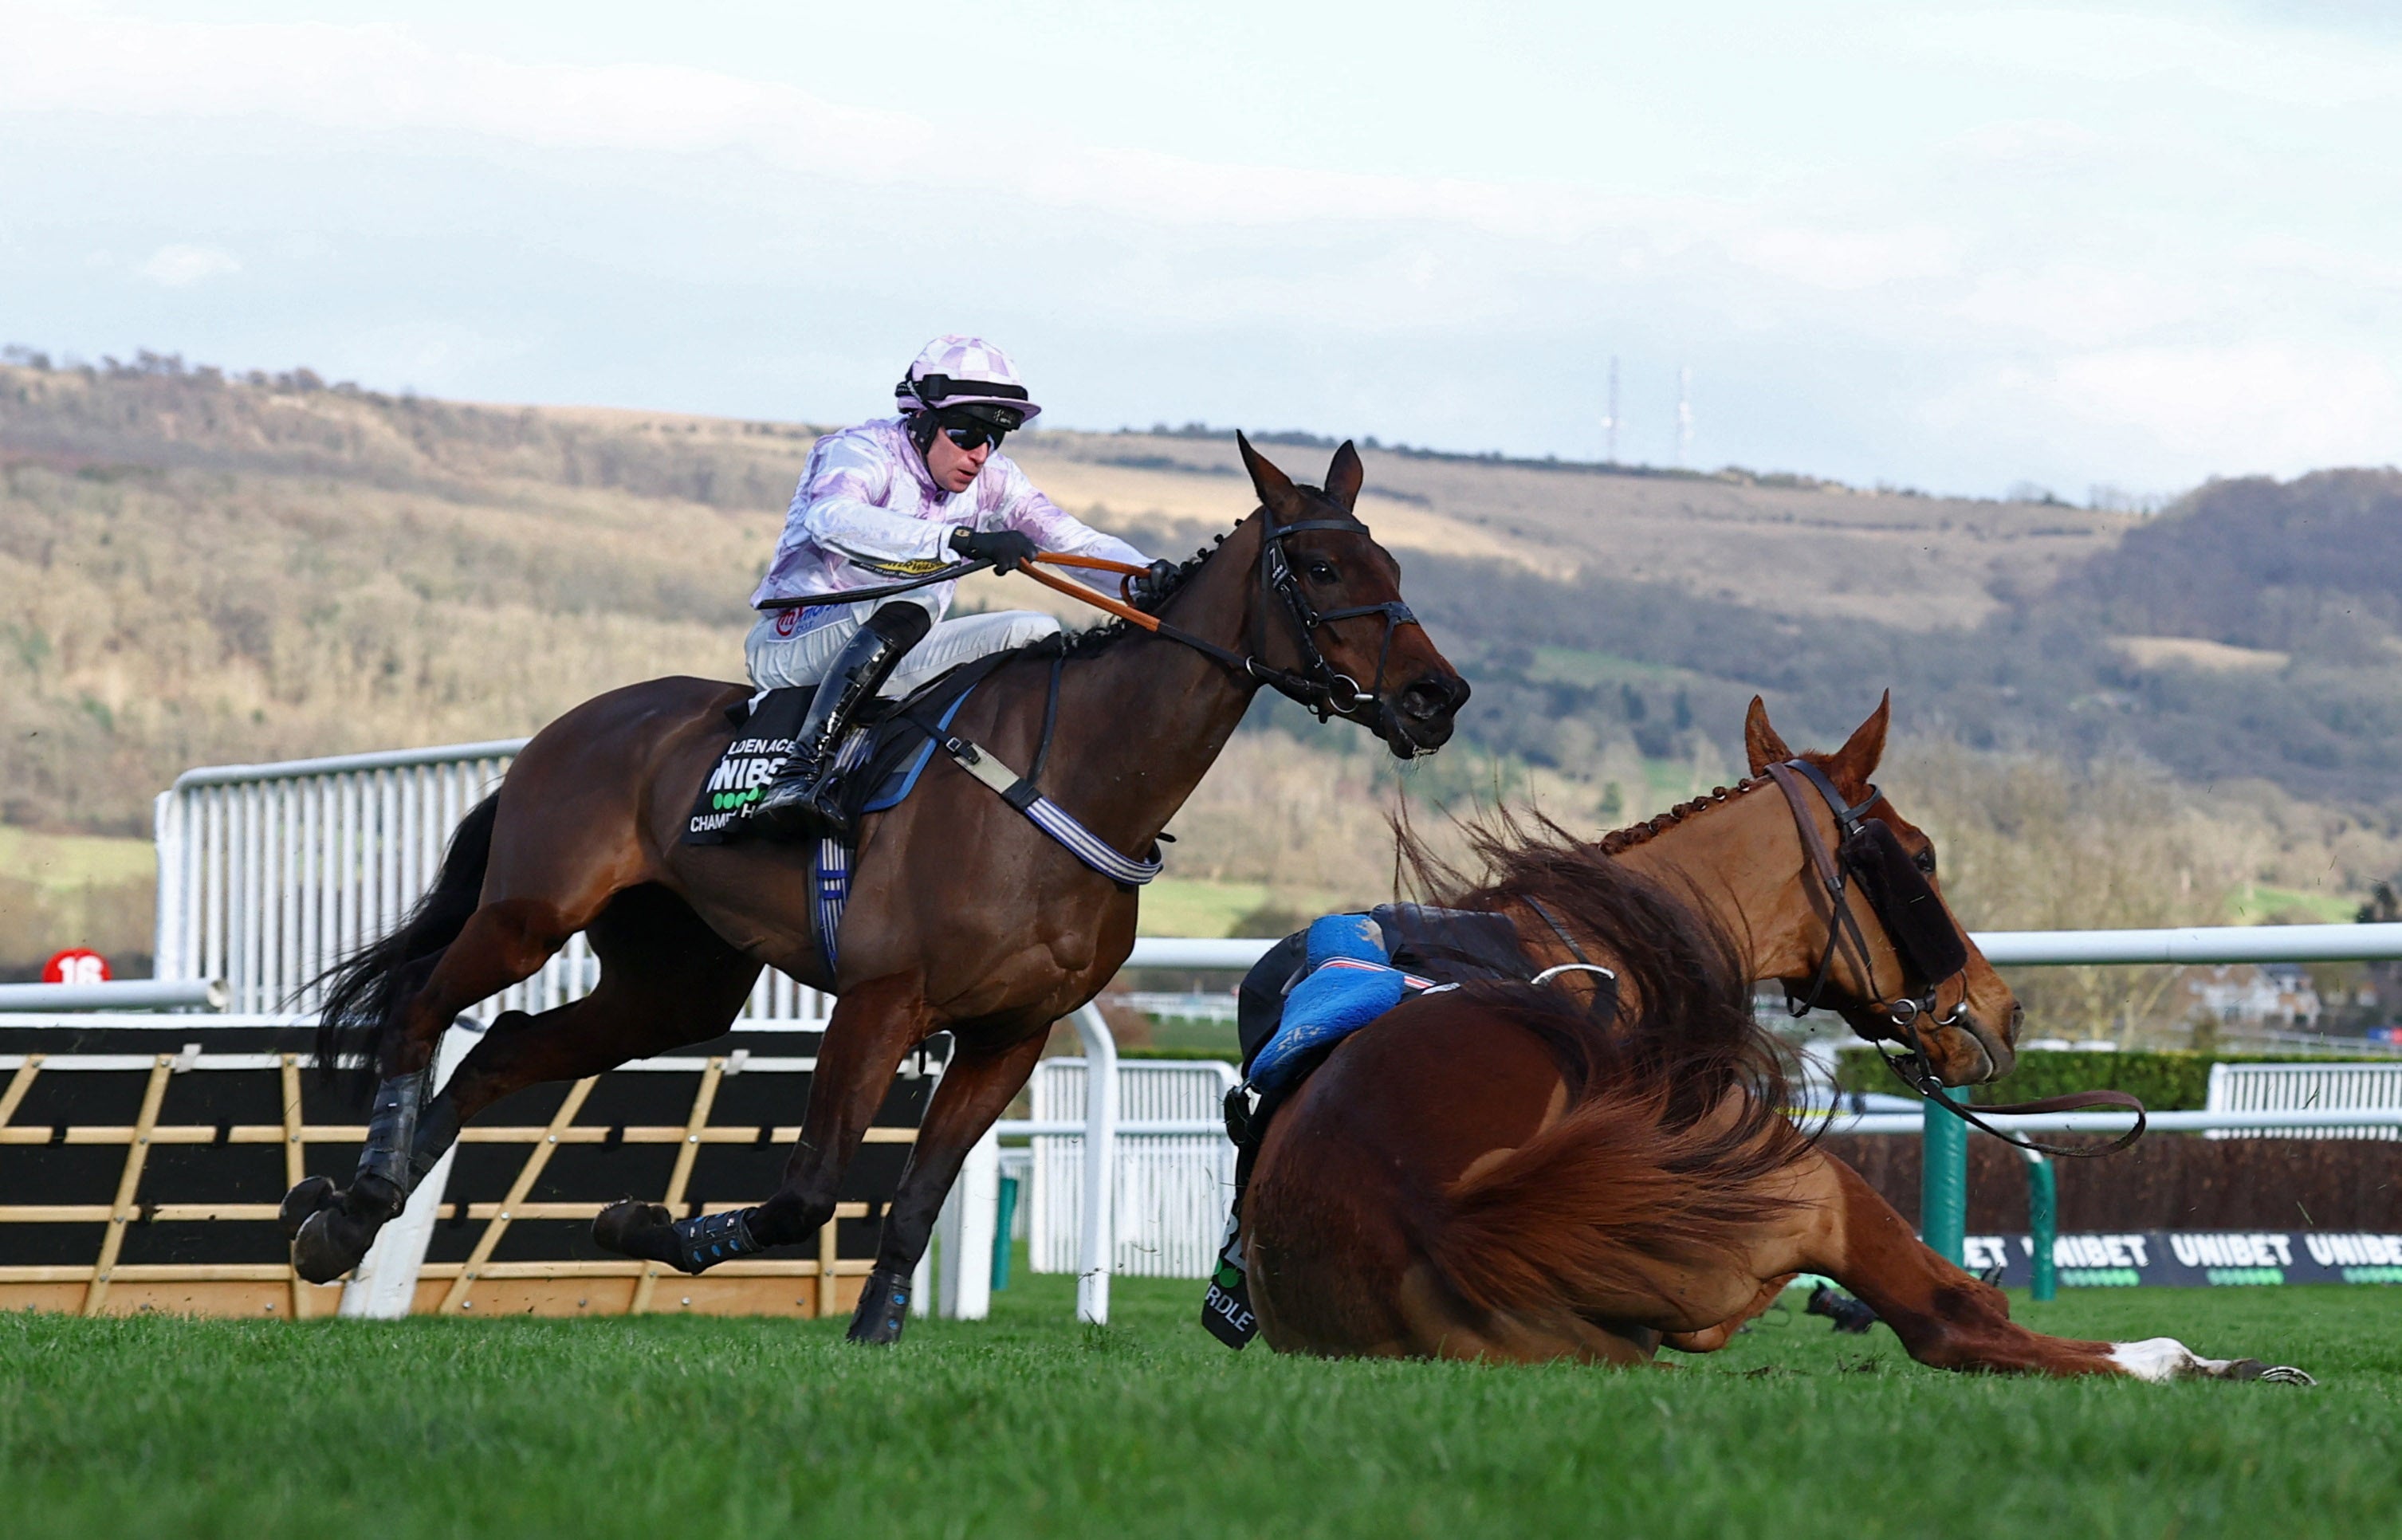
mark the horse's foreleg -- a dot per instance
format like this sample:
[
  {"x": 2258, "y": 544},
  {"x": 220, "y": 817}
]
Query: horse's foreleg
[
  {"x": 501, "y": 944},
  {"x": 873, "y": 1026},
  {"x": 976, "y": 1087},
  {"x": 1950, "y": 1320}
]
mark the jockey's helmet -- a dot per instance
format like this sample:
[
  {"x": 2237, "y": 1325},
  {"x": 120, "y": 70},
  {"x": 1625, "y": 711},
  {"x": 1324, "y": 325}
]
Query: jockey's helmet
[{"x": 969, "y": 379}]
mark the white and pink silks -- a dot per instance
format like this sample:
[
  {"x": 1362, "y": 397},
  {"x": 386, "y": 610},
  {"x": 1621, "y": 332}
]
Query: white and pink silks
[{"x": 867, "y": 511}]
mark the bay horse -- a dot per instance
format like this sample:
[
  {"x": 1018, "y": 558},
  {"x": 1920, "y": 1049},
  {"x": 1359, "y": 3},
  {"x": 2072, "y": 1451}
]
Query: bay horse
[
  {"x": 1505, "y": 1172},
  {"x": 964, "y": 917}
]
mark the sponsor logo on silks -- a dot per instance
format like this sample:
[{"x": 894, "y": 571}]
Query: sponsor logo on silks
[
  {"x": 916, "y": 567},
  {"x": 787, "y": 622}
]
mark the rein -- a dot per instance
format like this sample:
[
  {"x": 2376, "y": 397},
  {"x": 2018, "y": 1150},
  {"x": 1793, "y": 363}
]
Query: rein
[{"x": 1905, "y": 1011}]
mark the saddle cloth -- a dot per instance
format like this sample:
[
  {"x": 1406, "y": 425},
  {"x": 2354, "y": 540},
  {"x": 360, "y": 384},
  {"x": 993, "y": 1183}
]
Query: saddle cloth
[{"x": 877, "y": 767}]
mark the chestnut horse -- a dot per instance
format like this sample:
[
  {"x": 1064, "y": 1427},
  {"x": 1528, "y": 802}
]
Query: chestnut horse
[
  {"x": 1499, "y": 1171},
  {"x": 964, "y": 916}
]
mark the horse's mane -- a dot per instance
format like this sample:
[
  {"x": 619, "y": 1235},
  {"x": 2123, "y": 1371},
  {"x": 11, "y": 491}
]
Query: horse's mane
[
  {"x": 1635, "y": 833},
  {"x": 1691, "y": 1028},
  {"x": 1676, "y": 1118}
]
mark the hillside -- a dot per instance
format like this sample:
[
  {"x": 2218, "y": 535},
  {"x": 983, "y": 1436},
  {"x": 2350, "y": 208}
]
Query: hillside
[{"x": 202, "y": 570}]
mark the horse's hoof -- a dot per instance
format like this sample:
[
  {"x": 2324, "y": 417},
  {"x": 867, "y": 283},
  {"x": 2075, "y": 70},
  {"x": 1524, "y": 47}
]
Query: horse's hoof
[
  {"x": 2277, "y": 1374},
  {"x": 312, "y": 1194},
  {"x": 883, "y": 1309},
  {"x": 631, "y": 1228},
  {"x": 329, "y": 1243}
]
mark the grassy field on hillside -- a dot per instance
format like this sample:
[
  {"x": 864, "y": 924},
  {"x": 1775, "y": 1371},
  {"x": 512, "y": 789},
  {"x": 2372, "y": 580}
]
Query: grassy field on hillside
[{"x": 1031, "y": 1425}]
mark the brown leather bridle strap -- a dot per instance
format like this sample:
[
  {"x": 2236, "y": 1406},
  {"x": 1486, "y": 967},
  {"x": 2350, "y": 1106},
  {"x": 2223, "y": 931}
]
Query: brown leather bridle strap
[
  {"x": 1841, "y": 925},
  {"x": 1924, "y": 1080}
]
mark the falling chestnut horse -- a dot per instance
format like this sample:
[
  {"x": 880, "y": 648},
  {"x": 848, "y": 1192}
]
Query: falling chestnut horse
[
  {"x": 964, "y": 916},
  {"x": 1513, "y": 1171}
]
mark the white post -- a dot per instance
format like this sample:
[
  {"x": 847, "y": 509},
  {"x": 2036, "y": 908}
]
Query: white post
[
  {"x": 385, "y": 1285},
  {"x": 969, "y": 1215},
  {"x": 1099, "y": 1250}
]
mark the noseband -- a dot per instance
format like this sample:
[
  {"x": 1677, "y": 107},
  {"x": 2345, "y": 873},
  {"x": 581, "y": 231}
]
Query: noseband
[{"x": 1935, "y": 960}]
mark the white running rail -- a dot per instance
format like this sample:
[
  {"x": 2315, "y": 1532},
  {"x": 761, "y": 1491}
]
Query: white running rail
[
  {"x": 269, "y": 874},
  {"x": 1171, "y": 1189},
  {"x": 2305, "y": 1088}
]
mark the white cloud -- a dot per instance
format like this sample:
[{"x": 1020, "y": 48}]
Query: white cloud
[
  {"x": 2288, "y": 409},
  {"x": 181, "y": 267},
  {"x": 2042, "y": 278},
  {"x": 1848, "y": 259}
]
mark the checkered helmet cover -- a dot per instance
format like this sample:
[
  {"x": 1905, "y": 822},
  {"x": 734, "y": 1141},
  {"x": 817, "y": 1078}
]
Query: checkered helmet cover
[{"x": 964, "y": 371}]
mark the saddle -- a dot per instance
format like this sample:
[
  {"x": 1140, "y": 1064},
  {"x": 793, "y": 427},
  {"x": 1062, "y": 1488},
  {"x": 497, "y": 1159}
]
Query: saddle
[{"x": 1443, "y": 945}]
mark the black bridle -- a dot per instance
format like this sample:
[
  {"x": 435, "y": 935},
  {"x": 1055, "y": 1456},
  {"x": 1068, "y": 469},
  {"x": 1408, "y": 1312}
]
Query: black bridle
[
  {"x": 1923, "y": 936},
  {"x": 1317, "y": 684}
]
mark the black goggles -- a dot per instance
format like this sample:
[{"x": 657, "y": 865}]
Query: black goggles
[{"x": 973, "y": 436}]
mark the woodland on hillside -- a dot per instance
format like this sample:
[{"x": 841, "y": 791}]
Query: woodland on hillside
[{"x": 2133, "y": 722}]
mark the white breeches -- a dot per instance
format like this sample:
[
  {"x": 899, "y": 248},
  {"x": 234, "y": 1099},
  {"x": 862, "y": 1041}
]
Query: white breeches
[{"x": 778, "y": 660}]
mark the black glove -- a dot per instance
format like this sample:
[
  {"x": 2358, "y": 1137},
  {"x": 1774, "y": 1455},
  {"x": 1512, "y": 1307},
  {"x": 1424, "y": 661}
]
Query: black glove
[
  {"x": 1152, "y": 585},
  {"x": 1004, "y": 548}
]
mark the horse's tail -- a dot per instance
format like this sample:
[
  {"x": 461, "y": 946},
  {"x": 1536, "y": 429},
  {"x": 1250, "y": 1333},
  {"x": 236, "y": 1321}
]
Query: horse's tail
[
  {"x": 1589, "y": 1209},
  {"x": 365, "y": 990}
]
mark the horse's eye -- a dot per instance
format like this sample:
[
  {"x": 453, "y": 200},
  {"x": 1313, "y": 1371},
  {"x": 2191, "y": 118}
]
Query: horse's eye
[
  {"x": 1924, "y": 861},
  {"x": 1321, "y": 571}
]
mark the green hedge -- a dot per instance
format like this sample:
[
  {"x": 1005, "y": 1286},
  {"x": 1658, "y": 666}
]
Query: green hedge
[{"x": 2164, "y": 1081}]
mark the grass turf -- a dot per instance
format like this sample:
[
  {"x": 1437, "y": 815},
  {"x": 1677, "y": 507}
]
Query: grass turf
[{"x": 1029, "y": 1424}]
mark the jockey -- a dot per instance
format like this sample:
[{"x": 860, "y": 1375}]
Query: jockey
[{"x": 898, "y": 498}]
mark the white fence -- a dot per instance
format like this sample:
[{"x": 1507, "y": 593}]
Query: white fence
[
  {"x": 2305, "y": 1088},
  {"x": 269, "y": 874},
  {"x": 1171, "y": 1189}
]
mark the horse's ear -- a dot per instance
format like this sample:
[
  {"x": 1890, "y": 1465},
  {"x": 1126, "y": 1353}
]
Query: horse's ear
[
  {"x": 1344, "y": 476},
  {"x": 1761, "y": 743},
  {"x": 1275, "y": 489},
  {"x": 1857, "y": 761}
]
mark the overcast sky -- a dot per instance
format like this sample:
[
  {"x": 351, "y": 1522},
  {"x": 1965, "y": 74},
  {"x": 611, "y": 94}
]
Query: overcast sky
[{"x": 1946, "y": 246}]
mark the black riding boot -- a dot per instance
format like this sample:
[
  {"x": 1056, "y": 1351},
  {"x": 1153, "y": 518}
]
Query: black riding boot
[{"x": 799, "y": 801}]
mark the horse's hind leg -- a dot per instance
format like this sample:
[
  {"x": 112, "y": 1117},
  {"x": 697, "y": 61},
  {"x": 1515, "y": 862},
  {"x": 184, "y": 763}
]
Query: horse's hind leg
[
  {"x": 501, "y": 944},
  {"x": 666, "y": 980},
  {"x": 976, "y": 1087}
]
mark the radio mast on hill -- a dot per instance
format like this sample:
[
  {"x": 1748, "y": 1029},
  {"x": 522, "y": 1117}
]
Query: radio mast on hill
[
  {"x": 1684, "y": 414},
  {"x": 1609, "y": 423}
]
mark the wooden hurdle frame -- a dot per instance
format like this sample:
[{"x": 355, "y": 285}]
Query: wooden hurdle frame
[{"x": 823, "y": 1284}]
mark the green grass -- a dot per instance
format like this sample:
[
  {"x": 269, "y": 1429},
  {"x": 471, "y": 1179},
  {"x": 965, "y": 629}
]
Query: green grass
[
  {"x": 1187, "y": 906},
  {"x": 2256, "y": 903},
  {"x": 59, "y": 861},
  {"x": 1029, "y": 1424}
]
